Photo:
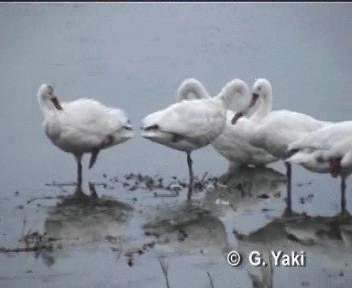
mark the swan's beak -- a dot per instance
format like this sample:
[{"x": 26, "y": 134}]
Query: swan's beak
[
  {"x": 254, "y": 100},
  {"x": 237, "y": 116},
  {"x": 56, "y": 103}
]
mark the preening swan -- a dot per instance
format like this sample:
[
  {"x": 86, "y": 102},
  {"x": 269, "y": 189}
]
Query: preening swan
[
  {"x": 327, "y": 150},
  {"x": 82, "y": 126},
  {"x": 233, "y": 143},
  {"x": 279, "y": 128},
  {"x": 188, "y": 125}
]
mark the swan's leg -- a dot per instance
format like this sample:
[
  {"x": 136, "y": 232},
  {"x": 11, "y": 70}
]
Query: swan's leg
[
  {"x": 289, "y": 176},
  {"x": 190, "y": 169},
  {"x": 79, "y": 170},
  {"x": 78, "y": 190},
  {"x": 93, "y": 158},
  {"x": 343, "y": 196}
]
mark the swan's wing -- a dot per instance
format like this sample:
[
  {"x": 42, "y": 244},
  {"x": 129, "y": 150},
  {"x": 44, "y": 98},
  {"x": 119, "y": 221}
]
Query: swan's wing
[
  {"x": 233, "y": 143},
  {"x": 87, "y": 113},
  {"x": 88, "y": 122},
  {"x": 340, "y": 148},
  {"x": 189, "y": 119},
  {"x": 280, "y": 128}
]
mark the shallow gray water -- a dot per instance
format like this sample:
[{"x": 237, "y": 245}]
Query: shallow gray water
[{"x": 134, "y": 56}]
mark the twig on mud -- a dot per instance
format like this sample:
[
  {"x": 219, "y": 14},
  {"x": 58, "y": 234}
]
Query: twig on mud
[
  {"x": 42, "y": 198},
  {"x": 204, "y": 175},
  {"x": 210, "y": 280},
  {"x": 165, "y": 268},
  {"x": 23, "y": 226},
  {"x": 172, "y": 194},
  {"x": 61, "y": 184}
]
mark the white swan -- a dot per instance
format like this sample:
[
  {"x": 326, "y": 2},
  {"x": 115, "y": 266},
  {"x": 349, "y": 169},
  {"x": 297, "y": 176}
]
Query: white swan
[
  {"x": 82, "y": 126},
  {"x": 327, "y": 150},
  {"x": 188, "y": 125},
  {"x": 233, "y": 143},
  {"x": 278, "y": 129}
]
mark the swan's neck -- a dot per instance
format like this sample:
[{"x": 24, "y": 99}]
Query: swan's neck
[
  {"x": 44, "y": 105},
  {"x": 231, "y": 93},
  {"x": 265, "y": 107},
  {"x": 47, "y": 105},
  {"x": 195, "y": 88}
]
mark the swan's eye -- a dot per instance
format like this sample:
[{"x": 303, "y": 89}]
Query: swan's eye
[
  {"x": 152, "y": 127},
  {"x": 128, "y": 127}
]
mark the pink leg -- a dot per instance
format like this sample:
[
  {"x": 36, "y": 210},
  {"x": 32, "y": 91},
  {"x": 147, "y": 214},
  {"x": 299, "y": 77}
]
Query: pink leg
[{"x": 335, "y": 167}]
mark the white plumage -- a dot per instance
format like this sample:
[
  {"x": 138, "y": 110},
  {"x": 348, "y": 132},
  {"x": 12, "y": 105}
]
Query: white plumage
[{"x": 82, "y": 126}]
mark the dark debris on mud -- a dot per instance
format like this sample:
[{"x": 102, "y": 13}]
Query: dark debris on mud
[
  {"x": 133, "y": 252},
  {"x": 134, "y": 181},
  {"x": 34, "y": 242}
]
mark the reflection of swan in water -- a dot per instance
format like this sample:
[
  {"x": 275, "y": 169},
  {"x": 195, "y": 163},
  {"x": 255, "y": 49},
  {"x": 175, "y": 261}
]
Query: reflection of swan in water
[
  {"x": 85, "y": 218},
  {"x": 82, "y": 219},
  {"x": 189, "y": 228},
  {"x": 246, "y": 186},
  {"x": 328, "y": 240}
]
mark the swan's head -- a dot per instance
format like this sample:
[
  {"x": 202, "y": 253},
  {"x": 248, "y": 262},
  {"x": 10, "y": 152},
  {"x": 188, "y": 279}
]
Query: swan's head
[
  {"x": 151, "y": 125},
  {"x": 261, "y": 90},
  {"x": 126, "y": 131},
  {"x": 152, "y": 129},
  {"x": 47, "y": 97}
]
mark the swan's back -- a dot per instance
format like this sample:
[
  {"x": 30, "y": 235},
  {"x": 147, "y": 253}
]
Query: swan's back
[
  {"x": 284, "y": 119},
  {"x": 92, "y": 114}
]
